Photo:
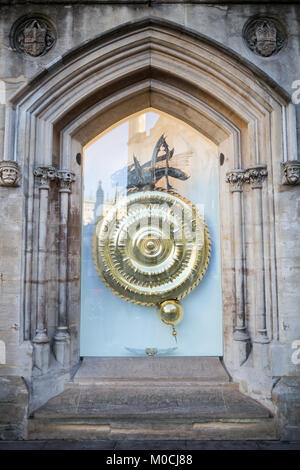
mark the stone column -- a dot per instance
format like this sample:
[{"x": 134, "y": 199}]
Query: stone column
[
  {"x": 41, "y": 341},
  {"x": 240, "y": 335},
  {"x": 62, "y": 336},
  {"x": 255, "y": 176}
]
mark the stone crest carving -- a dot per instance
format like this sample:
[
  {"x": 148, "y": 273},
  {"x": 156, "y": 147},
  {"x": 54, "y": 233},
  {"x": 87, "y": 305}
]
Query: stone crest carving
[
  {"x": 255, "y": 175},
  {"x": 45, "y": 174},
  {"x": 65, "y": 179},
  {"x": 291, "y": 172},
  {"x": 264, "y": 36},
  {"x": 235, "y": 178},
  {"x": 33, "y": 36},
  {"x": 9, "y": 173}
]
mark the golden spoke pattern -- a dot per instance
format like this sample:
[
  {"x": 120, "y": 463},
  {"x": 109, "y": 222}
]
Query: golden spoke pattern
[{"x": 151, "y": 246}]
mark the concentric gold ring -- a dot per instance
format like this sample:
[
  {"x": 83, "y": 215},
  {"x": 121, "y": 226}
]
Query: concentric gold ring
[{"x": 151, "y": 246}]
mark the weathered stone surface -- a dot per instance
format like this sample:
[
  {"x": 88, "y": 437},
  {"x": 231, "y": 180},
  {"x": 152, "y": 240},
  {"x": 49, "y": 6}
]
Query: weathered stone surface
[
  {"x": 173, "y": 58},
  {"x": 286, "y": 396},
  {"x": 94, "y": 369},
  {"x": 13, "y": 408},
  {"x": 146, "y": 410},
  {"x": 151, "y": 399}
]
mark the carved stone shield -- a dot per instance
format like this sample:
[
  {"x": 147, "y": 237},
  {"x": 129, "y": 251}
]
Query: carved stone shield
[
  {"x": 264, "y": 36},
  {"x": 33, "y": 35},
  {"x": 34, "y": 39}
]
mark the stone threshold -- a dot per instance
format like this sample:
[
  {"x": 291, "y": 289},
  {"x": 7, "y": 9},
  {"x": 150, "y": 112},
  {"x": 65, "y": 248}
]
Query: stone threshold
[
  {"x": 151, "y": 398},
  {"x": 189, "y": 369}
]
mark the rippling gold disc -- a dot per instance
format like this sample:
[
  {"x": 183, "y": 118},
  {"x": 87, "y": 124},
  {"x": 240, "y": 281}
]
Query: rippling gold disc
[{"x": 151, "y": 246}]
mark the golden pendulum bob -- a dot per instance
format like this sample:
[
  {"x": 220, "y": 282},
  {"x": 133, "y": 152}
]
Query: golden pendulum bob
[{"x": 171, "y": 313}]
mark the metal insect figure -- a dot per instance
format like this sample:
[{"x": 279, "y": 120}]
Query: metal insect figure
[{"x": 147, "y": 175}]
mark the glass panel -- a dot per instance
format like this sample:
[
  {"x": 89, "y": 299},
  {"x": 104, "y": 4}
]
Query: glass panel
[{"x": 111, "y": 326}]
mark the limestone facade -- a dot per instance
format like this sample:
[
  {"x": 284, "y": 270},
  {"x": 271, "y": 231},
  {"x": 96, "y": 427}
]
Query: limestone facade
[{"x": 93, "y": 64}]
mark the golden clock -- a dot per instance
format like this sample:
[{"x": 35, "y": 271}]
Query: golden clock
[{"x": 152, "y": 247}]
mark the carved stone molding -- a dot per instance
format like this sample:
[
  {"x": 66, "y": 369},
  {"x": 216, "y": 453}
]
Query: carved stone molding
[
  {"x": 41, "y": 336},
  {"x": 235, "y": 178},
  {"x": 255, "y": 175},
  {"x": 9, "y": 173},
  {"x": 264, "y": 36},
  {"x": 61, "y": 344},
  {"x": 45, "y": 174},
  {"x": 290, "y": 172},
  {"x": 33, "y": 35},
  {"x": 65, "y": 179}
]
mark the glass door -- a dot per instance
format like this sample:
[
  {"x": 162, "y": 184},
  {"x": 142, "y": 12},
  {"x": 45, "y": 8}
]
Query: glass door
[{"x": 151, "y": 267}]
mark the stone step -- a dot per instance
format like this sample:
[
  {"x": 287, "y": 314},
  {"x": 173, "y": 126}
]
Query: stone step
[
  {"x": 94, "y": 370},
  {"x": 142, "y": 410},
  {"x": 152, "y": 430}
]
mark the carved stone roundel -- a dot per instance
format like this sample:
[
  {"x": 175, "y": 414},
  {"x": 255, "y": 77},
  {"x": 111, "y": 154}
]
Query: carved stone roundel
[
  {"x": 151, "y": 246},
  {"x": 264, "y": 36},
  {"x": 33, "y": 35}
]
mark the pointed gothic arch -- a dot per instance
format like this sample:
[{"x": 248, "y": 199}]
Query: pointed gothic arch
[{"x": 150, "y": 64}]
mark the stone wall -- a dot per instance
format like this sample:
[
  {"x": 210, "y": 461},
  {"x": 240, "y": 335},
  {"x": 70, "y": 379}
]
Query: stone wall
[
  {"x": 13, "y": 408},
  {"x": 76, "y": 23}
]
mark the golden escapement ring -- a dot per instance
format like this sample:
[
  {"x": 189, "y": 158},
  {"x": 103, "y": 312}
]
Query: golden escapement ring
[{"x": 151, "y": 246}]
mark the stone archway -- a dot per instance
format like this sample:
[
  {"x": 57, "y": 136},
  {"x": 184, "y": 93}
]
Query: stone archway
[{"x": 150, "y": 63}]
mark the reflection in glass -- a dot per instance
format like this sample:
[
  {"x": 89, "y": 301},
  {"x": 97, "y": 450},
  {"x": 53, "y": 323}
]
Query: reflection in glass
[{"x": 110, "y": 326}]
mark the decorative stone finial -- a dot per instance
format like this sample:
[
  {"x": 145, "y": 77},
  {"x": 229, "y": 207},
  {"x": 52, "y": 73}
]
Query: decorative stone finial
[
  {"x": 9, "y": 173},
  {"x": 291, "y": 172},
  {"x": 264, "y": 36}
]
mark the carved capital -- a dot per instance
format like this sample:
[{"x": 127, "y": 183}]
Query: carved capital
[
  {"x": 65, "y": 179},
  {"x": 290, "y": 172},
  {"x": 9, "y": 173},
  {"x": 45, "y": 174},
  {"x": 255, "y": 175},
  {"x": 236, "y": 179}
]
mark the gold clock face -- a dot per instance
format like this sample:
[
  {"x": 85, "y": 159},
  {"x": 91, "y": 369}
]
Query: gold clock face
[{"x": 151, "y": 246}]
